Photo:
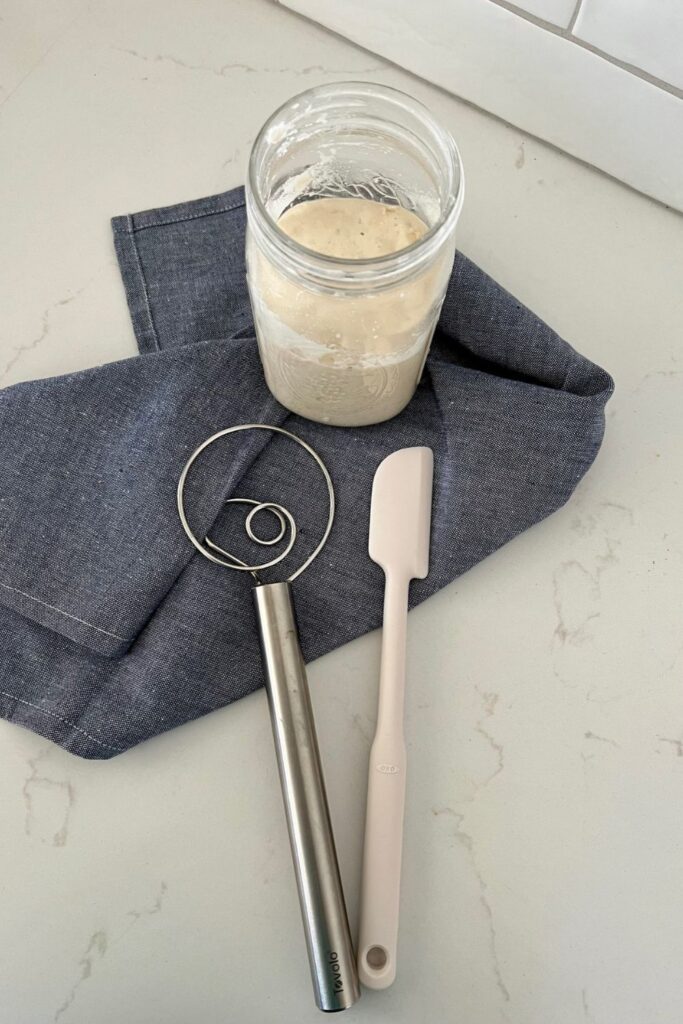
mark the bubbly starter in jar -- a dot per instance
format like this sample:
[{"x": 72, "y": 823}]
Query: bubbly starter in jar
[{"x": 345, "y": 358}]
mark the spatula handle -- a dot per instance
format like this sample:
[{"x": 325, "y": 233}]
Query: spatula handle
[{"x": 381, "y": 879}]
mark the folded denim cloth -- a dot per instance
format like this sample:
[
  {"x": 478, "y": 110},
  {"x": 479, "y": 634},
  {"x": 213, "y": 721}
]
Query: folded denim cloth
[{"x": 112, "y": 627}]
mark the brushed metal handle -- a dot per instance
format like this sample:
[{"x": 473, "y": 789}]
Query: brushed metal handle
[{"x": 326, "y": 927}]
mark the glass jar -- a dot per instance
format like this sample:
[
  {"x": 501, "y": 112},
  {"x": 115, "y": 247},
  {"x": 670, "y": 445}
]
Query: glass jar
[{"x": 343, "y": 340}]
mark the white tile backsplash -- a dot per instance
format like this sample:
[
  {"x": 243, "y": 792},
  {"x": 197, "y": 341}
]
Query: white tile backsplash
[
  {"x": 530, "y": 76},
  {"x": 557, "y": 12},
  {"x": 645, "y": 33}
]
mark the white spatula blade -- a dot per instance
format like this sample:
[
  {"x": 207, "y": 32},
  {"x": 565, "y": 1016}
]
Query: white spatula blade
[{"x": 400, "y": 513}]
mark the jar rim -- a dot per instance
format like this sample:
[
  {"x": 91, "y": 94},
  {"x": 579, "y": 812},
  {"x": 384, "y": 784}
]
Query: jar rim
[{"x": 331, "y": 268}]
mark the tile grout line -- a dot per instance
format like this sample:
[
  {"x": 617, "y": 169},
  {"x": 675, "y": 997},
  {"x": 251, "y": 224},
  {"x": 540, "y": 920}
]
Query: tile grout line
[
  {"x": 573, "y": 19},
  {"x": 567, "y": 33}
]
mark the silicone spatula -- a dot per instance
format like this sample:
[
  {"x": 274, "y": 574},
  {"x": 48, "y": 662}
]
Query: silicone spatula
[{"x": 400, "y": 518}]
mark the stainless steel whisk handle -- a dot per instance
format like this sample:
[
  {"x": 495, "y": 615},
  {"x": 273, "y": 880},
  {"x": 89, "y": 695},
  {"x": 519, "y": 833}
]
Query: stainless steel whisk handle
[{"x": 326, "y": 926}]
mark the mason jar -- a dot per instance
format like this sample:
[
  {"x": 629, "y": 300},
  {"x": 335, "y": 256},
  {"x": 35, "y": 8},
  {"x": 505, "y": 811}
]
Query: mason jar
[{"x": 344, "y": 317}]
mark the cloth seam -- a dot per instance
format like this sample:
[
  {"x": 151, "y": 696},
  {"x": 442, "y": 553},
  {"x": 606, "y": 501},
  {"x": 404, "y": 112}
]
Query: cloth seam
[
  {"x": 53, "y": 714},
  {"x": 68, "y": 615},
  {"x": 181, "y": 220},
  {"x": 567, "y": 376},
  {"x": 143, "y": 282}
]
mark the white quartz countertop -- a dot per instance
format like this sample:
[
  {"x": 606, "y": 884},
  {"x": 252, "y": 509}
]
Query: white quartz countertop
[{"x": 543, "y": 861}]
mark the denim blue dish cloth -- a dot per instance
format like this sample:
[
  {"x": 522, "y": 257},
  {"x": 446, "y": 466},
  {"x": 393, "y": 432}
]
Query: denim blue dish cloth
[{"x": 112, "y": 628}]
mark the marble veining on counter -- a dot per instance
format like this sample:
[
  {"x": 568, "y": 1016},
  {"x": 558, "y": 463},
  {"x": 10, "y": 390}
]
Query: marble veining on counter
[{"x": 542, "y": 865}]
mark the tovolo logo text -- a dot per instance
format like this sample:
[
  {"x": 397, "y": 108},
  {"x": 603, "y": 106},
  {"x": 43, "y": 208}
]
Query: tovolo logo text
[{"x": 333, "y": 961}]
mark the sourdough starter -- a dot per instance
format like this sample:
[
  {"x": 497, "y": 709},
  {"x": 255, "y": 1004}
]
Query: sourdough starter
[{"x": 346, "y": 357}]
